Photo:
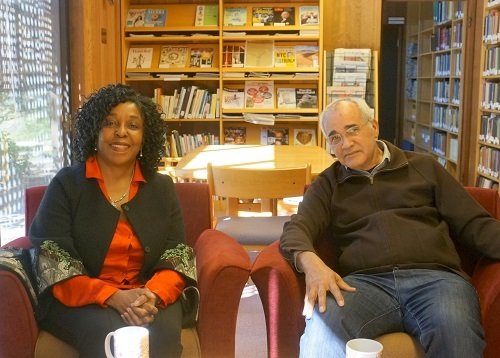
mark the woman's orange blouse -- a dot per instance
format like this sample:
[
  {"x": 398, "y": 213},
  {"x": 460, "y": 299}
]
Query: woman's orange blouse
[{"x": 122, "y": 263}]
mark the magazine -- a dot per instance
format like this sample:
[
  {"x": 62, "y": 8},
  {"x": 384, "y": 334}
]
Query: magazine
[
  {"x": 235, "y": 16},
  {"x": 233, "y": 98},
  {"x": 201, "y": 57},
  {"x": 274, "y": 136},
  {"x": 284, "y": 16},
  {"x": 259, "y": 94},
  {"x": 139, "y": 57},
  {"x": 262, "y": 16},
  {"x": 155, "y": 17},
  {"x": 173, "y": 56},
  {"x": 309, "y": 15},
  {"x": 135, "y": 18},
  {"x": 235, "y": 135}
]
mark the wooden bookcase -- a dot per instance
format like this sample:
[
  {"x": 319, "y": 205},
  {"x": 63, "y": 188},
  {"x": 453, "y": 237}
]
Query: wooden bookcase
[
  {"x": 180, "y": 31},
  {"x": 487, "y": 163},
  {"x": 433, "y": 93}
]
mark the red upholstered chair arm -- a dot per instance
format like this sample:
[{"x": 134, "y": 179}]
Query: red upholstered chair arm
[
  {"x": 486, "y": 279},
  {"x": 223, "y": 269},
  {"x": 18, "y": 328},
  {"x": 282, "y": 295}
]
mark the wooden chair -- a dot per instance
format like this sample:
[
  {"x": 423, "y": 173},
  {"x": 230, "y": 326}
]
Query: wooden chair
[{"x": 269, "y": 185}]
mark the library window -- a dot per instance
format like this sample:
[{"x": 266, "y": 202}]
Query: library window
[{"x": 34, "y": 102}]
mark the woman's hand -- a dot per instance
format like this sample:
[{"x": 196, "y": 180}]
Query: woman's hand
[
  {"x": 143, "y": 310},
  {"x": 137, "y": 306}
]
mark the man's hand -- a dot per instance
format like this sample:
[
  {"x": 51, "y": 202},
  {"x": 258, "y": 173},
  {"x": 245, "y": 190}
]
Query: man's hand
[{"x": 319, "y": 280}]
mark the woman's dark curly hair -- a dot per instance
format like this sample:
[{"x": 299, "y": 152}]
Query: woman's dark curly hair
[{"x": 92, "y": 113}]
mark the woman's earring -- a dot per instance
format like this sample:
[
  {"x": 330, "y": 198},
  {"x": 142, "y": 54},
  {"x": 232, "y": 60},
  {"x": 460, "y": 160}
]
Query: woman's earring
[{"x": 140, "y": 153}]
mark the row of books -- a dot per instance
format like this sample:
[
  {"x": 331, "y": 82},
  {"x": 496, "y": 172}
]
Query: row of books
[
  {"x": 490, "y": 129},
  {"x": 439, "y": 143},
  {"x": 188, "y": 102},
  {"x": 178, "y": 145},
  {"x": 443, "y": 11},
  {"x": 491, "y": 31},
  {"x": 272, "y": 136},
  {"x": 447, "y": 118},
  {"x": 265, "y": 54},
  {"x": 489, "y": 161},
  {"x": 272, "y": 16},
  {"x": 491, "y": 95},
  {"x": 492, "y": 62},
  {"x": 205, "y": 15},
  {"x": 171, "y": 57},
  {"x": 208, "y": 15},
  {"x": 257, "y": 54},
  {"x": 262, "y": 94}
]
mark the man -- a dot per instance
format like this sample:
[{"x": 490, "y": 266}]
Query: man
[{"x": 389, "y": 213}]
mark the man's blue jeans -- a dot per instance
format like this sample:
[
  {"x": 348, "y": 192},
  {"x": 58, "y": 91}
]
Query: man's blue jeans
[{"x": 440, "y": 309}]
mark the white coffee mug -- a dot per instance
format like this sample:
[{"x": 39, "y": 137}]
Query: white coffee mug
[
  {"x": 363, "y": 348},
  {"x": 128, "y": 342}
]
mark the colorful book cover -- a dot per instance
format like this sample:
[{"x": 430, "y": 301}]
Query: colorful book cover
[
  {"x": 233, "y": 98},
  {"x": 259, "y": 94},
  {"x": 309, "y": 15},
  {"x": 173, "y": 56},
  {"x": 155, "y": 18},
  {"x": 233, "y": 55},
  {"x": 307, "y": 56},
  {"x": 284, "y": 16},
  {"x": 139, "y": 57},
  {"x": 306, "y": 97},
  {"x": 135, "y": 17},
  {"x": 262, "y": 16},
  {"x": 235, "y": 135},
  {"x": 274, "y": 136},
  {"x": 284, "y": 56},
  {"x": 235, "y": 16},
  {"x": 201, "y": 57},
  {"x": 304, "y": 136},
  {"x": 207, "y": 15},
  {"x": 285, "y": 97}
]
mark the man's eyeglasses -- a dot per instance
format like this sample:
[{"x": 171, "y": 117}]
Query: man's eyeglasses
[{"x": 335, "y": 138}]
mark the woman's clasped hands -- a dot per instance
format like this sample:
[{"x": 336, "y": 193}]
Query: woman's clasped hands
[{"x": 137, "y": 306}]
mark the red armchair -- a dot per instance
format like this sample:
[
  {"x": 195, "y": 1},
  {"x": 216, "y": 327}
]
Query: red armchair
[
  {"x": 282, "y": 294},
  {"x": 223, "y": 269}
]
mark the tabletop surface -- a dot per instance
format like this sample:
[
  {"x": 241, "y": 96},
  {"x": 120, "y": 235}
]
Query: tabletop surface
[{"x": 193, "y": 165}]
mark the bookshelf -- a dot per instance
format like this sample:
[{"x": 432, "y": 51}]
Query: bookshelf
[
  {"x": 488, "y": 128},
  {"x": 244, "y": 66},
  {"x": 433, "y": 80}
]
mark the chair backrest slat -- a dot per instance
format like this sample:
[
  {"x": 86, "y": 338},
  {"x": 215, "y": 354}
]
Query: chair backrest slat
[{"x": 246, "y": 183}]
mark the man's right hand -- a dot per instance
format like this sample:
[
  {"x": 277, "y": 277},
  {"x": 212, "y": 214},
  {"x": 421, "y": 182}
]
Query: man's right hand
[{"x": 320, "y": 279}]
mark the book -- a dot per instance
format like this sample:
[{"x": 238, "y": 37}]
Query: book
[
  {"x": 235, "y": 135},
  {"x": 307, "y": 56},
  {"x": 284, "y": 16},
  {"x": 274, "y": 136},
  {"x": 259, "y": 94},
  {"x": 306, "y": 98},
  {"x": 155, "y": 17},
  {"x": 235, "y": 16},
  {"x": 139, "y": 57},
  {"x": 201, "y": 57},
  {"x": 207, "y": 15},
  {"x": 304, "y": 136},
  {"x": 284, "y": 56},
  {"x": 233, "y": 56},
  {"x": 173, "y": 56},
  {"x": 309, "y": 15},
  {"x": 233, "y": 98},
  {"x": 285, "y": 97},
  {"x": 135, "y": 18},
  {"x": 259, "y": 54},
  {"x": 262, "y": 16}
]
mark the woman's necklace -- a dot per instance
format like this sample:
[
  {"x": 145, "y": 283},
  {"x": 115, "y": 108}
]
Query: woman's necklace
[{"x": 114, "y": 202}]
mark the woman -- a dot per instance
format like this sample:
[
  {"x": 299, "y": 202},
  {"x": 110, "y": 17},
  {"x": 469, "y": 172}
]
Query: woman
[{"x": 109, "y": 232}]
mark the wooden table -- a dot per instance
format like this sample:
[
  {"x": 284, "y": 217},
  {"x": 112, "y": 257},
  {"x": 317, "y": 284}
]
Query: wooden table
[{"x": 194, "y": 164}]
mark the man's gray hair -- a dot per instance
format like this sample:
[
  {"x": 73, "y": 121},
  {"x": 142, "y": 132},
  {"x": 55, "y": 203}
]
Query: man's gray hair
[{"x": 367, "y": 113}]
